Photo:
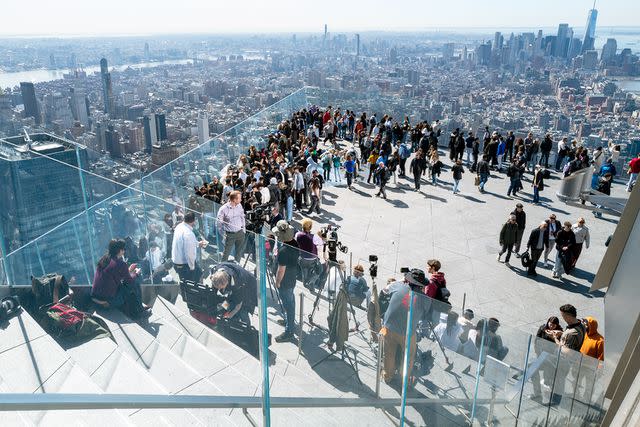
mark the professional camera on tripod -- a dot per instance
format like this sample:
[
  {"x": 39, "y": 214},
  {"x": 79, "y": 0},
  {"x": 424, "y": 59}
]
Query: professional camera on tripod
[
  {"x": 333, "y": 244},
  {"x": 257, "y": 217}
]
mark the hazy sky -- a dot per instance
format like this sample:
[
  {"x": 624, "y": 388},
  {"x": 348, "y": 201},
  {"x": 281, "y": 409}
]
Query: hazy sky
[{"x": 93, "y": 17}]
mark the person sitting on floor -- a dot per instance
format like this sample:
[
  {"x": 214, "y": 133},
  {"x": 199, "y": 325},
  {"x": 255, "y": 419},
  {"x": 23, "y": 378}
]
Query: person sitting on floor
[{"x": 115, "y": 284}]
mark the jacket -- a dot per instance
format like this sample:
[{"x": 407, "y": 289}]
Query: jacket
[
  {"x": 509, "y": 234},
  {"x": 593, "y": 344},
  {"x": 538, "y": 180},
  {"x": 521, "y": 218},
  {"x": 535, "y": 235},
  {"x": 565, "y": 238}
]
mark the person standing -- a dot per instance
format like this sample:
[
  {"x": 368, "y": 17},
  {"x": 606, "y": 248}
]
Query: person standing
[
  {"x": 513, "y": 172},
  {"x": 553, "y": 226},
  {"x": 545, "y": 149},
  {"x": 298, "y": 187},
  {"x": 483, "y": 172},
  {"x": 537, "y": 183},
  {"x": 350, "y": 170},
  {"x": 509, "y": 146},
  {"x": 417, "y": 167},
  {"x": 563, "y": 151},
  {"x": 572, "y": 338},
  {"x": 583, "y": 238},
  {"x": 404, "y": 152},
  {"x": 469, "y": 148},
  {"x": 634, "y": 169},
  {"x": 537, "y": 243},
  {"x": 231, "y": 221},
  {"x": 286, "y": 274},
  {"x": 475, "y": 152},
  {"x": 457, "y": 171},
  {"x": 521, "y": 219},
  {"x": 508, "y": 237},
  {"x": 394, "y": 324},
  {"x": 565, "y": 240},
  {"x": 184, "y": 250},
  {"x": 546, "y": 332},
  {"x": 382, "y": 177},
  {"x": 502, "y": 147},
  {"x": 593, "y": 344}
]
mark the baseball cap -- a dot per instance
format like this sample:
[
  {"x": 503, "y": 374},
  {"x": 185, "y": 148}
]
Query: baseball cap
[{"x": 416, "y": 277}]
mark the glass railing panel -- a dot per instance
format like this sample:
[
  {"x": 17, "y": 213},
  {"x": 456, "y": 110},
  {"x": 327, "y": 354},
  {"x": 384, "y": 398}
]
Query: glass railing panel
[
  {"x": 583, "y": 390},
  {"x": 449, "y": 342},
  {"x": 539, "y": 380},
  {"x": 565, "y": 387},
  {"x": 503, "y": 365}
]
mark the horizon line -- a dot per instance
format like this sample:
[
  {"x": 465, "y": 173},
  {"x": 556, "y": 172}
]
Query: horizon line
[{"x": 291, "y": 32}]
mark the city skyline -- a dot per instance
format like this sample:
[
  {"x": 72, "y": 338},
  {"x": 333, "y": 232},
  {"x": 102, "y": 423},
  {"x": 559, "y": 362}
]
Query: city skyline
[{"x": 284, "y": 17}]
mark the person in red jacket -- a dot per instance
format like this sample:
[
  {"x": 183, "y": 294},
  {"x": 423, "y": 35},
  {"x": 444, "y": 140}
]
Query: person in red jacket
[
  {"x": 437, "y": 286},
  {"x": 634, "y": 169}
]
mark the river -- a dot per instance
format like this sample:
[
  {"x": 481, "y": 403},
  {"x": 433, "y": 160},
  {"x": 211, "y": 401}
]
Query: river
[{"x": 36, "y": 76}]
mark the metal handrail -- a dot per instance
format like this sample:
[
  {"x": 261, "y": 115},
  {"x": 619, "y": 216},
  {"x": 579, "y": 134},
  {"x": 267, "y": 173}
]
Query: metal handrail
[{"x": 70, "y": 401}]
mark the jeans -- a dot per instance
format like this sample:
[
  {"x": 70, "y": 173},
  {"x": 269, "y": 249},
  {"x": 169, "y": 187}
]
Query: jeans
[
  {"x": 326, "y": 172},
  {"x": 558, "y": 267},
  {"x": 500, "y": 157},
  {"x": 536, "y": 195},
  {"x": 434, "y": 178},
  {"x": 633, "y": 177},
  {"x": 315, "y": 204},
  {"x": 336, "y": 174},
  {"x": 349, "y": 179},
  {"x": 456, "y": 185},
  {"x": 483, "y": 180},
  {"x": 547, "y": 250},
  {"x": 289, "y": 208},
  {"x": 233, "y": 240},
  {"x": 513, "y": 187},
  {"x": 289, "y": 305},
  {"x": 381, "y": 190},
  {"x": 544, "y": 159},
  {"x": 469, "y": 152}
]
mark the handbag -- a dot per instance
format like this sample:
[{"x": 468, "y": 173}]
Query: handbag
[
  {"x": 477, "y": 181},
  {"x": 525, "y": 259}
]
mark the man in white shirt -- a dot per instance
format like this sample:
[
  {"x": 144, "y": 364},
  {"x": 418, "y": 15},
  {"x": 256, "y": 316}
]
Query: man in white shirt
[
  {"x": 582, "y": 238},
  {"x": 449, "y": 333},
  {"x": 184, "y": 250},
  {"x": 231, "y": 221}
]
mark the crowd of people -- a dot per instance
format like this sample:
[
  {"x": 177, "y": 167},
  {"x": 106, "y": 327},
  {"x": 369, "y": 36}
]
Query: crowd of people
[{"x": 262, "y": 190}]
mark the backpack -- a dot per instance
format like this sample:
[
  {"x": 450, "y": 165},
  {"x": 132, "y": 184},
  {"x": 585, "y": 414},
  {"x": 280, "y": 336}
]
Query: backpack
[
  {"x": 49, "y": 289},
  {"x": 73, "y": 326}
]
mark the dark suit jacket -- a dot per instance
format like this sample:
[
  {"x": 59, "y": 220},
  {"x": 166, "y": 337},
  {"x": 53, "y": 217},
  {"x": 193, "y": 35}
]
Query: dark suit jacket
[{"x": 535, "y": 235}]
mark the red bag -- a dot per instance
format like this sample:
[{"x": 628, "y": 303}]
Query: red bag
[{"x": 65, "y": 316}]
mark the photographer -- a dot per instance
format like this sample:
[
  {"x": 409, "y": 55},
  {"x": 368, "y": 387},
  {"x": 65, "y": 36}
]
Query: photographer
[
  {"x": 394, "y": 324},
  {"x": 238, "y": 288},
  {"x": 232, "y": 222},
  {"x": 357, "y": 287},
  {"x": 310, "y": 245}
]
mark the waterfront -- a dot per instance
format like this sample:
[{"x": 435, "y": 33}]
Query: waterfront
[{"x": 37, "y": 76}]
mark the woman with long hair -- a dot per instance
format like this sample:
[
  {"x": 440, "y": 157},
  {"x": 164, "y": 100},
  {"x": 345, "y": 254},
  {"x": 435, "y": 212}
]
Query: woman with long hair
[{"x": 115, "y": 283}]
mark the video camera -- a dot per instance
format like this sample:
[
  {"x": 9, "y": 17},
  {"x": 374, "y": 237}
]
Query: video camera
[
  {"x": 333, "y": 244},
  {"x": 257, "y": 217},
  {"x": 373, "y": 268},
  {"x": 9, "y": 307}
]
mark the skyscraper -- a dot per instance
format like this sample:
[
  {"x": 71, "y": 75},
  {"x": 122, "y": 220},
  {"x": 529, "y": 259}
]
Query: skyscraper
[
  {"x": 29, "y": 100},
  {"x": 357, "y": 44},
  {"x": 107, "y": 91},
  {"x": 562, "y": 41},
  {"x": 609, "y": 50},
  {"x": 161, "y": 127},
  {"x": 203, "y": 128},
  {"x": 150, "y": 134},
  {"x": 590, "y": 33}
]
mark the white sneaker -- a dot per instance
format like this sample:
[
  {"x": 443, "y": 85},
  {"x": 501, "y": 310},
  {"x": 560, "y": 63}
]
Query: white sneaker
[{"x": 498, "y": 258}]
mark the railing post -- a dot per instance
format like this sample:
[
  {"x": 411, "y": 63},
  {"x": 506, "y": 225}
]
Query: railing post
[
  {"x": 524, "y": 378},
  {"x": 378, "y": 370},
  {"x": 407, "y": 357},
  {"x": 301, "y": 322},
  {"x": 261, "y": 272}
]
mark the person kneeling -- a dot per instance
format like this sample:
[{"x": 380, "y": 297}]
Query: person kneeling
[
  {"x": 238, "y": 289},
  {"x": 116, "y": 285}
]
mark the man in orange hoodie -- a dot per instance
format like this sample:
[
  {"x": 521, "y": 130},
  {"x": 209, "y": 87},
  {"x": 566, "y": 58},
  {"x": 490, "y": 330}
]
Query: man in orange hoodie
[{"x": 593, "y": 344}]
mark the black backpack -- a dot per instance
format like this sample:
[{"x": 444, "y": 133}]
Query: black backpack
[{"x": 49, "y": 289}]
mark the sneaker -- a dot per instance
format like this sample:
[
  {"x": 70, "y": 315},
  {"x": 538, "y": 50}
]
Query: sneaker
[
  {"x": 284, "y": 337},
  {"x": 498, "y": 258},
  {"x": 555, "y": 275}
]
